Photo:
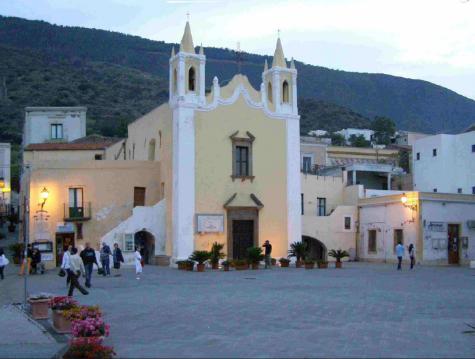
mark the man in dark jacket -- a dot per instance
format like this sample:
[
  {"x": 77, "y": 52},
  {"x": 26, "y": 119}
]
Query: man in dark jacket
[
  {"x": 267, "y": 251},
  {"x": 88, "y": 256},
  {"x": 117, "y": 258}
]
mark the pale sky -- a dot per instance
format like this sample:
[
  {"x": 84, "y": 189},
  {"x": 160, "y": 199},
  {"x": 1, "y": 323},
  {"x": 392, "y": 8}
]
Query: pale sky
[{"x": 433, "y": 40}]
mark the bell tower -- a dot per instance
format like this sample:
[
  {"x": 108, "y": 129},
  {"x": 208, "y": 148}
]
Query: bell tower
[
  {"x": 280, "y": 84},
  {"x": 187, "y": 72}
]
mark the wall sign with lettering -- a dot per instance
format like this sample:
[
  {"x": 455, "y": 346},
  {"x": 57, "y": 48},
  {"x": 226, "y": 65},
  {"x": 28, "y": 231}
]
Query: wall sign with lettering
[{"x": 209, "y": 223}]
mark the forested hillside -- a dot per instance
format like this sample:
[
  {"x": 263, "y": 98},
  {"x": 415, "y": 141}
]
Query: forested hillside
[{"x": 119, "y": 77}]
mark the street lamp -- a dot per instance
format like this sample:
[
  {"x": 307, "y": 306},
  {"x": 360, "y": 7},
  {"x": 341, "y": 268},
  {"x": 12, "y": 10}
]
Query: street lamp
[
  {"x": 44, "y": 194},
  {"x": 412, "y": 206}
]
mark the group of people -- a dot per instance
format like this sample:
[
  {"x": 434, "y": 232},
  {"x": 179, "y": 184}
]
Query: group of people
[
  {"x": 33, "y": 263},
  {"x": 400, "y": 253},
  {"x": 74, "y": 265}
]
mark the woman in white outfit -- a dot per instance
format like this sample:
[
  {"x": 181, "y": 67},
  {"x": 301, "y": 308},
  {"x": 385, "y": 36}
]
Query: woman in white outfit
[{"x": 138, "y": 263}]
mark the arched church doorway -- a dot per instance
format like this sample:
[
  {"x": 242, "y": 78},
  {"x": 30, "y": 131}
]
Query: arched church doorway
[
  {"x": 145, "y": 241},
  {"x": 316, "y": 250}
]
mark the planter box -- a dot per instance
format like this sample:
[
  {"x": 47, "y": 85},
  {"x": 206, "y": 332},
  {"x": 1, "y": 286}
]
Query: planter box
[
  {"x": 241, "y": 266},
  {"x": 309, "y": 265},
  {"x": 214, "y": 265},
  {"x": 323, "y": 265},
  {"x": 200, "y": 267},
  {"x": 39, "y": 308},
  {"x": 284, "y": 264},
  {"x": 182, "y": 265},
  {"x": 189, "y": 267},
  {"x": 60, "y": 323}
]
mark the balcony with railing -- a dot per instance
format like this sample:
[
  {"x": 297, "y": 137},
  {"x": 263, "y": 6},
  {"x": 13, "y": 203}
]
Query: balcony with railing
[{"x": 77, "y": 213}]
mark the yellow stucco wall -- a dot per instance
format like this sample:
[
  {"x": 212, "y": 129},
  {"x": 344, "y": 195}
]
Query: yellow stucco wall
[
  {"x": 156, "y": 125},
  {"x": 78, "y": 155},
  {"x": 108, "y": 185},
  {"x": 214, "y": 185}
]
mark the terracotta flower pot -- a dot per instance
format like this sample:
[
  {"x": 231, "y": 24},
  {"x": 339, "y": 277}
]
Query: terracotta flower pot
[
  {"x": 323, "y": 265},
  {"x": 200, "y": 267},
  {"x": 60, "y": 323},
  {"x": 189, "y": 267},
  {"x": 215, "y": 265},
  {"x": 182, "y": 265},
  {"x": 338, "y": 264},
  {"x": 39, "y": 308},
  {"x": 274, "y": 261},
  {"x": 255, "y": 266},
  {"x": 284, "y": 264},
  {"x": 241, "y": 266},
  {"x": 309, "y": 265},
  {"x": 226, "y": 267},
  {"x": 298, "y": 264}
]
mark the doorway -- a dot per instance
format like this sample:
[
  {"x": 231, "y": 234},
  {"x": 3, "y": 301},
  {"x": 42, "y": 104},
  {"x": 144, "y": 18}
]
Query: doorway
[
  {"x": 453, "y": 243},
  {"x": 146, "y": 243},
  {"x": 63, "y": 241},
  {"x": 243, "y": 237},
  {"x": 316, "y": 250}
]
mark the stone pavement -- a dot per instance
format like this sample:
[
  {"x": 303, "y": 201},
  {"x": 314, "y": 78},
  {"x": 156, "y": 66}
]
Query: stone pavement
[{"x": 363, "y": 310}]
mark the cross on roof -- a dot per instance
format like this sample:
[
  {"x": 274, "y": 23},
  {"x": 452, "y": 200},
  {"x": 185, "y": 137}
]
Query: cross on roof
[{"x": 188, "y": 16}]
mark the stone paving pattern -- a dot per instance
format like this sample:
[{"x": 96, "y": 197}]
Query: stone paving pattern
[{"x": 362, "y": 310}]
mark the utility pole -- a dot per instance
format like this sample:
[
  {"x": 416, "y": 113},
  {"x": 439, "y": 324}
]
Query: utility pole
[{"x": 26, "y": 215}]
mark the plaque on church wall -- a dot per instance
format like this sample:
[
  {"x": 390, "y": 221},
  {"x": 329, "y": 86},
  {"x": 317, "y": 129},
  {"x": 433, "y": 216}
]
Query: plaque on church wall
[{"x": 209, "y": 223}]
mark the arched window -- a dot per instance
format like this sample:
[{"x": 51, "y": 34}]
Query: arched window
[
  {"x": 151, "y": 150},
  {"x": 269, "y": 92},
  {"x": 191, "y": 79},
  {"x": 175, "y": 79},
  {"x": 285, "y": 92}
]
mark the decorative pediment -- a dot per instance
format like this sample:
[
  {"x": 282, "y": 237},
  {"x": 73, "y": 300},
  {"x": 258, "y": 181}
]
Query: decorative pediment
[{"x": 243, "y": 201}]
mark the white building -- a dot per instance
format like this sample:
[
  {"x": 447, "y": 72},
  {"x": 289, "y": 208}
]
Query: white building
[
  {"x": 317, "y": 133},
  {"x": 348, "y": 132},
  {"x": 408, "y": 137},
  {"x": 5, "y": 184},
  {"x": 445, "y": 163},
  {"x": 54, "y": 124},
  {"x": 441, "y": 226}
]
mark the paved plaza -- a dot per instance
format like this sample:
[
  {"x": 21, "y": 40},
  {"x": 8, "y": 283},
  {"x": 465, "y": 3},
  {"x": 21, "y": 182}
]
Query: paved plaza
[{"x": 363, "y": 310}]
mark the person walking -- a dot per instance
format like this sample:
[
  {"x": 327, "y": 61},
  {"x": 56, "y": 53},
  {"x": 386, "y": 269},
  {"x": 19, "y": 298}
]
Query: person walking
[
  {"x": 36, "y": 263},
  {"x": 76, "y": 268},
  {"x": 117, "y": 258},
  {"x": 88, "y": 256},
  {"x": 399, "y": 254},
  {"x": 412, "y": 254},
  {"x": 138, "y": 263},
  {"x": 105, "y": 260},
  {"x": 3, "y": 263},
  {"x": 26, "y": 262},
  {"x": 267, "y": 252},
  {"x": 66, "y": 264}
]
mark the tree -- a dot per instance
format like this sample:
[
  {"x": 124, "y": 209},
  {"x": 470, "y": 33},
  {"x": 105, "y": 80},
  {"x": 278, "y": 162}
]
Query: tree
[
  {"x": 337, "y": 139},
  {"x": 384, "y": 128},
  {"x": 358, "y": 141}
]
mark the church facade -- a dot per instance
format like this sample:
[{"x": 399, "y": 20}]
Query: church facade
[{"x": 223, "y": 166}]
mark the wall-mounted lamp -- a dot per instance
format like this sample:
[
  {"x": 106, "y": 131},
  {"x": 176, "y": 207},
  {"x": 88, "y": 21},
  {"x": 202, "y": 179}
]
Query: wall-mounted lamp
[
  {"x": 412, "y": 206},
  {"x": 44, "y": 194}
]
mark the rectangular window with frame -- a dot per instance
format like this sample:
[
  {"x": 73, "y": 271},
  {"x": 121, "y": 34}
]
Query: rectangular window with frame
[
  {"x": 242, "y": 161},
  {"x": 434, "y": 152},
  {"x": 128, "y": 242},
  {"x": 139, "y": 196},
  {"x": 473, "y": 148},
  {"x": 242, "y": 156},
  {"x": 347, "y": 223},
  {"x": 56, "y": 131},
  {"x": 372, "y": 235},
  {"x": 306, "y": 164},
  {"x": 418, "y": 156},
  {"x": 398, "y": 237},
  {"x": 301, "y": 203},
  {"x": 321, "y": 206},
  {"x": 76, "y": 202}
]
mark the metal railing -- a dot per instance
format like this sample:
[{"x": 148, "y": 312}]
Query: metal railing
[{"x": 77, "y": 213}]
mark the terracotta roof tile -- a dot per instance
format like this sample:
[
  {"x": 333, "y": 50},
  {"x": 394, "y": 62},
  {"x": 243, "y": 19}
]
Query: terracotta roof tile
[{"x": 93, "y": 142}]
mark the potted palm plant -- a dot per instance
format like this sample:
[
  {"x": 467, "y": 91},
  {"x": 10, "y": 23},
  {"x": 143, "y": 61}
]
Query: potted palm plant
[
  {"x": 322, "y": 264},
  {"x": 226, "y": 265},
  {"x": 254, "y": 256},
  {"x": 309, "y": 264},
  {"x": 298, "y": 250},
  {"x": 338, "y": 255},
  {"x": 284, "y": 262},
  {"x": 216, "y": 254},
  {"x": 200, "y": 257}
]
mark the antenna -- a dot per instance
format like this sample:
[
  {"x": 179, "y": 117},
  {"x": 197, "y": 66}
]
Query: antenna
[
  {"x": 188, "y": 16},
  {"x": 278, "y": 33}
]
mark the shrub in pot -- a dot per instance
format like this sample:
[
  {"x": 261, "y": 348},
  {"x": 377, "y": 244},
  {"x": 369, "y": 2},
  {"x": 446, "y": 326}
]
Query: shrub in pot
[
  {"x": 273, "y": 261},
  {"x": 17, "y": 250},
  {"x": 338, "y": 255},
  {"x": 240, "y": 264},
  {"x": 309, "y": 264},
  {"x": 299, "y": 251},
  {"x": 322, "y": 264},
  {"x": 39, "y": 306},
  {"x": 200, "y": 257},
  {"x": 254, "y": 256},
  {"x": 284, "y": 262},
  {"x": 189, "y": 265},
  {"x": 216, "y": 254},
  {"x": 181, "y": 265},
  {"x": 226, "y": 265}
]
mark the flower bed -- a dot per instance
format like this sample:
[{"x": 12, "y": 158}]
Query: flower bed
[
  {"x": 87, "y": 349},
  {"x": 62, "y": 303},
  {"x": 90, "y": 327},
  {"x": 82, "y": 312}
]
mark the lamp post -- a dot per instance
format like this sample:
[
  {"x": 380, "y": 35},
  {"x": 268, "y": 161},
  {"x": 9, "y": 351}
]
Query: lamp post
[
  {"x": 44, "y": 194},
  {"x": 412, "y": 206}
]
